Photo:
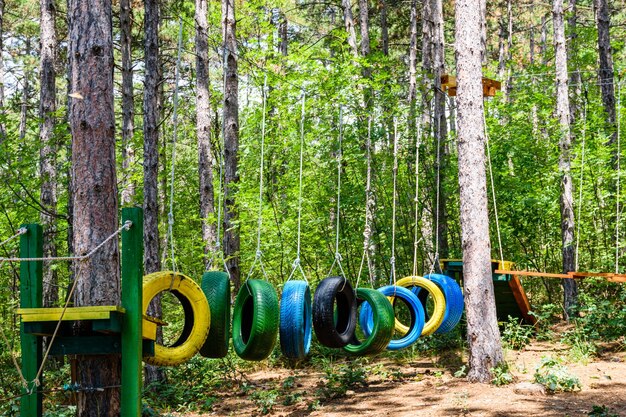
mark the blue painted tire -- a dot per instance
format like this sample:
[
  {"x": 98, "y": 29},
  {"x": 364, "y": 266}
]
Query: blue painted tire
[
  {"x": 454, "y": 300},
  {"x": 295, "y": 320},
  {"x": 366, "y": 318}
]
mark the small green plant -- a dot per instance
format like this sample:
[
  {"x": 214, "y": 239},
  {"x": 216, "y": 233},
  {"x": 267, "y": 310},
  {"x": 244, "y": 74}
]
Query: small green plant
[
  {"x": 516, "y": 335},
  {"x": 582, "y": 348},
  {"x": 601, "y": 411},
  {"x": 265, "y": 400},
  {"x": 501, "y": 374},
  {"x": 340, "y": 378},
  {"x": 462, "y": 372},
  {"x": 553, "y": 375}
]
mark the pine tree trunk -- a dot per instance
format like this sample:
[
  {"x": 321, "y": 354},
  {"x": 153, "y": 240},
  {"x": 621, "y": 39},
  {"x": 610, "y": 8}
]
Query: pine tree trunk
[
  {"x": 605, "y": 73},
  {"x": 231, "y": 142},
  {"x": 348, "y": 20},
  {"x": 575, "y": 81},
  {"x": 2, "y": 127},
  {"x": 544, "y": 39},
  {"x": 48, "y": 149},
  {"x": 283, "y": 31},
  {"x": 25, "y": 95},
  {"x": 128, "y": 102},
  {"x": 92, "y": 123},
  {"x": 412, "y": 95},
  {"x": 570, "y": 291},
  {"x": 483, "y": 336},
  {"x": 203, "y": 129},
  {"x": 384, "y": 27}
]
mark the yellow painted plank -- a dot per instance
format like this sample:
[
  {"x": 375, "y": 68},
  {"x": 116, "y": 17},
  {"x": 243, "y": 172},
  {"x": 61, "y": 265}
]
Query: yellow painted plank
[
  {"x": 71, "y": 313},
  {"x": 148, "y": 329}
]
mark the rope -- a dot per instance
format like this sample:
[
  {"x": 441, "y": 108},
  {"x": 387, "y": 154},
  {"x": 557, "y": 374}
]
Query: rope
[
  {"x": 338, "y": 258},
  {"x": 619, "y": 151},
  {"x": 17, "y": 234},
  {"x": 170, "y": 215},
  {"x": 493, "y": 188},
  {"x": 367, "y": 226},
  {"x": 438, "y": 194},
  {"x": 580, "y": 186},
  {"x": 417, "y": 189},
  {"x": 258, "y": 255},
  {"x": 296, "y": 263},
  {"x": 393, "y": 210}
]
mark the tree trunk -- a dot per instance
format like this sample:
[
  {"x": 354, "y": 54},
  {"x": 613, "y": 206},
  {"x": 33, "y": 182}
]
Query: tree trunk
[
  {"x": 544, "y": 40},
  {"x": 283, "y": 31},
  {"x": 531, "y": 37},
  {"x": 412, "y": 96},
  {"x": 231, "y": 141},
  {"x": 570, "y": 291},
  {"x": 384, "y": 27},
  {"x": 25, "y": 95},
  {"x": 574, "y": 78},
  {"x": 92, "y": 123},
  {"x": 128, "y": 102},
  {"x": 483, "y": 336},
  {"x": 348, "y": 20},
  {"x": 48, "y": 146},
  {"x": 605, "y": 73},
  {"x": 2, "y": 127},
  {"x": 203, "y": 130}
]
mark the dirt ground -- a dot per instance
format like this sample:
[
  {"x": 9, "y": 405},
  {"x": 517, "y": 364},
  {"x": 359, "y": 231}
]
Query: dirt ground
[{"x": 421, "y": 388}]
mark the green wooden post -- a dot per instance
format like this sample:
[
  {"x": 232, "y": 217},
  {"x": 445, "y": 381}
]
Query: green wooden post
[
  {"x": 31, "y": 275},
  {"x": 132, "y": 276}
]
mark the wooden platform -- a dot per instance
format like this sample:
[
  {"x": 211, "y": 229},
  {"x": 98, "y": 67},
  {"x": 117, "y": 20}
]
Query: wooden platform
[{"x": 490, "y": 87}]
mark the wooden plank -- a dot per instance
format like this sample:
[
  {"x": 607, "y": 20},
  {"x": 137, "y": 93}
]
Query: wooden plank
[
  {"x": 71, "y": 313},
  {"x": 87, "y": 345},
  {"x": 522, "y": 299},
  {"x": 531, "y": 274}
]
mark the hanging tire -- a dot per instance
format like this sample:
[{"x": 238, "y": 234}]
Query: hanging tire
[
  {"x": 435, "y": 320},
  {"x": 197, "y": 316},
  {"x": 331, "y": 331},
  {"x": 255, "y": 320},
  {"x": 295, "y": 320},
  {"x": 366, "y": 318},
  {"x": 216, "y": 288},
  {"x": 454, "y": 300},
  {"x": 383, "y": 324}
]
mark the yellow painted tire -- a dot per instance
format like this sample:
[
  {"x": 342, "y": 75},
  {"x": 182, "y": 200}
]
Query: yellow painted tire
[
  {"x": 439, "y": 300},
  {"x": 191, "y": 295}
]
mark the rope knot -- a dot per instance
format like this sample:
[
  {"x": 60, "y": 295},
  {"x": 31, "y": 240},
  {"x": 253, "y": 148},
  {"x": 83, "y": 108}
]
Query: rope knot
[
  {"x": 296, "y": 263},
  {"x": 127, "y": 225},
  {"x": 170, "y": 218},
  {"x": 338, "y": 257},
  {"x": 392, "y": 260},
  {"x": 258, "y": 254}
]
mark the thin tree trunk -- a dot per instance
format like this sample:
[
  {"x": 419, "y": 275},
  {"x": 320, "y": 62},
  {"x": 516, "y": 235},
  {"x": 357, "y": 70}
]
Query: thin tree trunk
[
  {"x": 605, "y": 73},
  {"x": 231, "y": 141},
  {"x": 348, "y": 20},
  {"x": 570, "y": 291},
  {"x": 2, "y": 127},
  {"x": 574, "y": 78},
  {"x": 25, "y": 95},
  {"x": 544, "y": 39},
  {"x": 412, "y": 96},
  {"x": 483, "y": 336},
  {"x": 128, "y": 102},
  {"x": 384, "y": 27},
  {"x": 203, "y": 129},
  {"x": 283, "y": 31},
  {"x": 48, "y": 149},
  {"x": 92, "y": 123},
  {"x": 531, "y": 36}
]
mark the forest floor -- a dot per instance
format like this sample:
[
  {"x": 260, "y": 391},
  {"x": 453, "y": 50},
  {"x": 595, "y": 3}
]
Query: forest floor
[{"x": 428, "y": 387}]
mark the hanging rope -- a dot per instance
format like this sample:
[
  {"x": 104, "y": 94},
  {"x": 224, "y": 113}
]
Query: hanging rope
[
  {"x": 170, "y": 215},
  {"x": 580, "y": 184},
  {"x": 417, "y": 189},
  {"x": 17, "y": 234},
  {"x": 493, "y": 188},
  {"x": 438, "y": 195},
  {"x": 337, "y": 260},
  {"x": 367, "y": 227},
  {"x": 296, "y": 263},
  {"x": 619, "y": 151},
  {"x": 392, "y": 260},
  {"x": 258, "y": 257}
]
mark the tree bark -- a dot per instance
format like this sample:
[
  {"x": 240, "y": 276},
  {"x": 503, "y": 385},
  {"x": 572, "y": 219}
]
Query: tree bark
[
  {"x": 283, "y": 31},
  {"x": 384, "y": 27},
  {"x": 203, "y": 130},
  {"x": 128, "y": 102},
  {"x": 574, "y": 78},
  {"x": 92, "y": 123},
  {"x": 544, "y": 39},
  {"x": 605, "y": 73},
  {"x": 2, "y": 127},
  {"x": 483, "y": 336},
  {"x": 412, "y": 96},
  {"x": 231, "y": 142},
  {"x": 48, "y": 145},
  {"x": 570, "y": 291},
  {"x": 348, "y": 20},
  {"x": 25, "y": 95}
]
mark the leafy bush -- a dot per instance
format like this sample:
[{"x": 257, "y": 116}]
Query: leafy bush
[
  {"x": 516, "y": 335},
  {"x": 501, "y": 375},
  {"x": 601, "y": 411},
  {"x": 553, "y": 375}
]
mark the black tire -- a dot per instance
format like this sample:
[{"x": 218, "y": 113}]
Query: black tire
[
  {"x": 216, "y": 288},
  {"x": 331, "y": 331},
  {"x": 255, "y": 320},
  {"x": 384, "y": 324}
]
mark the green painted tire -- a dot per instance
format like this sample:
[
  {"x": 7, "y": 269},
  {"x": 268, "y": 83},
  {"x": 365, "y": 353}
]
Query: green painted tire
[
  {"x": 255, "y": 320},
  {"x": 384, "y": 324},
  {"x": 216, "y": 288}
]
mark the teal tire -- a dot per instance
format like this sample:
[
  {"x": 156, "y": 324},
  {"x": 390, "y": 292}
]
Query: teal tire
[{"x": 295, "y": 320}]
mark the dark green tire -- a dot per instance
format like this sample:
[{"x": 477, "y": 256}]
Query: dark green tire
[
  {"x": 216, "y": 288},
  {"x": 384, "y": 324},
  {"x": 255, "y": 320}
]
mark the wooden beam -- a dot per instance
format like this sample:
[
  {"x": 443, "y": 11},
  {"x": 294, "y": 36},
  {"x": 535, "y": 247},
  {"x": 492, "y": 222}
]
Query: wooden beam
[
  {"x": 571, "y": 275},
  {"x": 532, "y": 274}
]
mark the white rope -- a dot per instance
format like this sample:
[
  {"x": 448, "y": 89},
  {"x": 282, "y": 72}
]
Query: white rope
[
  {"x": 258, "y": 257},
  {"x": 619, "y": 151},
  {"x": 367, "y": 188},
  {"x": 580, "y": 184},
  {"x": 337, "y": 259},
  {"x": 393, "y": 210},
  {"x": 296, "y": 263},
  {"x": 170, "y": 215},
  {"x": 437, "y": 193},
  {"x": 17, "y": 234},
  {"x": 417, "y": 189},
  {"x": 125, "y": 226},
  {"x": 493, "y": 188}
]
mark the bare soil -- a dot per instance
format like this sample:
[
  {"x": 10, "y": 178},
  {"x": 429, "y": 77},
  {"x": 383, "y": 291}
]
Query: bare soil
[{"x": 427, "y": 387}]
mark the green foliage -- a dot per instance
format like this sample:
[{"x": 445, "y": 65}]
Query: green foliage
[
  {"x": 501, "y": 375},
  {"x": 601, "y": 411},
  {"x": 341, "y": 377},
  {"x": 516, "y": 335},
  {"x": 552, "y": 374}
]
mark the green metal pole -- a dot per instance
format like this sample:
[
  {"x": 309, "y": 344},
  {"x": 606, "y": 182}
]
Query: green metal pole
[
  {"x": 31, "y": 276},
  {"x": 132, "y": 276}
]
